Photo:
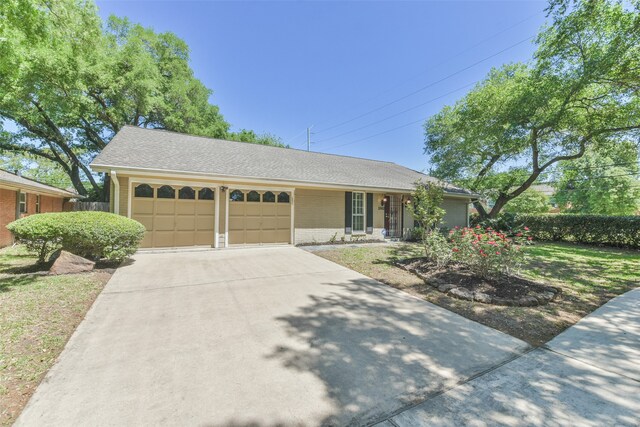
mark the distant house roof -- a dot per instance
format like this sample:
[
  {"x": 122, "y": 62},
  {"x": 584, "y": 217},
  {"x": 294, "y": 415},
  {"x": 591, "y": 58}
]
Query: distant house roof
[
  {"x": 12, "y": 180},
  {"x": 544, "y": 189},
  {"x": 134, "y": 148}
]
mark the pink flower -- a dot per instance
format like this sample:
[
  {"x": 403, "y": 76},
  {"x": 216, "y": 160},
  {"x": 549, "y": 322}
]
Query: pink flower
[
  {"x": 526, "y": 228},
  {"x": 456, "y": 250},
  {"x": 497, "y": 253}
]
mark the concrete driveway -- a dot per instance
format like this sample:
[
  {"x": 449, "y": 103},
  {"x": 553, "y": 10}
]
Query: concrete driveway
[
  {"x": 257, "y": 337},
  {"x": 588, "y": 375}
]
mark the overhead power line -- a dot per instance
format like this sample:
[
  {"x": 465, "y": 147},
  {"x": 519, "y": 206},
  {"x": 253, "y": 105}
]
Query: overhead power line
[
  {"x": 423, "y": 88},
  {"x": 397, "y": 114},
  {"x": 492, "y": 36}
]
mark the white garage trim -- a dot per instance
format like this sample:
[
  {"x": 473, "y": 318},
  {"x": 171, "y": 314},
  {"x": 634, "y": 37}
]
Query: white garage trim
[{"x": 216, "y": 235}]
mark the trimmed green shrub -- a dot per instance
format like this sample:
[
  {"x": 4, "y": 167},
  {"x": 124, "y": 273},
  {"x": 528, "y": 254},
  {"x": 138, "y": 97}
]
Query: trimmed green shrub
[
  {"x": 621, "y": 231},
  {"x": 93, "y": 235}
]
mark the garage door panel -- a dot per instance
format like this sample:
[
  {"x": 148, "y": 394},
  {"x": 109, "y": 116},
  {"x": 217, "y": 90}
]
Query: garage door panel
[
  {"x": 184, "y": 238},
  {"x": 205, "y": 222},
  {"x": 145, "y": 220},
  {"x": 252, "y": 222},
  {"x": 236, "y": 223},
  {"x": 143, "y": 207},
  {"x": 253, "y": 208},
  {"x": 283, "y": 236},
  {"x": 163, "y": 239},
  {"x": 236, "y": 237},
  {"x": 284, "y": 222},
  {"x": 252, "y": 236},
  {"x": 164, "y": 223},
  {"x": 236, "y": 209},
  {"x": 268, "y": 209},
  {"x": 269, "y": 223},
  {"x": 175, "y": 222},
  {"x": 186, "y": 208},
  {"x": 283, "y": 209},
  {"x": 268, "y": 236},
  {"x": 205, "y": 208},
  {"x": 204, "y": 238},
  {"x": 185, "y": 223},
  {"x": 147, "y": 241}
]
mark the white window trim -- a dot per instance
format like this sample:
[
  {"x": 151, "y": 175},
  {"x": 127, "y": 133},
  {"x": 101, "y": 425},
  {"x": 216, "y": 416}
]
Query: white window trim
[
  {"x": 363, "y": 215},
  {"x": 22, "y": 203}
]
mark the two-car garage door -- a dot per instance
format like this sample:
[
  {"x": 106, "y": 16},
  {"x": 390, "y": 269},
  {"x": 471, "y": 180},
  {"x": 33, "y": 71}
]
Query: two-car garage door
[
  {"x": 182, "y": 216},
  {"x": 177, "y": 216}
]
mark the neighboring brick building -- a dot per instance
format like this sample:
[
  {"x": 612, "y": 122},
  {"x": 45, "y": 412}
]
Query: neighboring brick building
[{"x": 21, "y": 196}]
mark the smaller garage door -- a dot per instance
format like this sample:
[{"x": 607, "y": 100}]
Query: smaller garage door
[
  {"x": 174, "y": 215},
  {"x": 259, "y": 217}
]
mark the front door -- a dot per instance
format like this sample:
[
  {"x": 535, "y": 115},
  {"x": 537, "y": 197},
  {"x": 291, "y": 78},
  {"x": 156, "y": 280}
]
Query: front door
[{"x": 392, "y": 209}]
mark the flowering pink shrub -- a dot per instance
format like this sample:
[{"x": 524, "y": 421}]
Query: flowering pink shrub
[{"x": 488, "y": 252}]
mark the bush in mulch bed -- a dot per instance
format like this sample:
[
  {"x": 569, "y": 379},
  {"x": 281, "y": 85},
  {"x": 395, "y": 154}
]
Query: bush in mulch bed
[{"x": 460, "y": 282}]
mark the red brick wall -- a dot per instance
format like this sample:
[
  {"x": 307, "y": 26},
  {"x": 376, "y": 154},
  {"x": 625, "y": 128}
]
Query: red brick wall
[
  {"x": 8, "y": 210},
  {"x": 7, "y": 215}
]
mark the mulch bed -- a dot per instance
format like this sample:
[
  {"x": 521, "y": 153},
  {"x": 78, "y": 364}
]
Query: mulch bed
[{"x": 459, "y": 282}]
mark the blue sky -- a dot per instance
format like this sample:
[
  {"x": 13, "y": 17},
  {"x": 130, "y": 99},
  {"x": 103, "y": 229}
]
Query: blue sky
[{"x": 279, "y": 67}]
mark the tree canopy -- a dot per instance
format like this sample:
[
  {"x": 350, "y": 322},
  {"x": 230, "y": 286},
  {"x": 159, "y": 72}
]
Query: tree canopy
[
  {"x": 603, "y": 183},
  {"x": 578, "y": 93},
  {"x": 69, "y": 82}
]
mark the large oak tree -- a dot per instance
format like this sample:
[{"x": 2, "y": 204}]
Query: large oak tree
[
  {"x": 579, "y": 93},
  {"x": 69, "y": 82}
]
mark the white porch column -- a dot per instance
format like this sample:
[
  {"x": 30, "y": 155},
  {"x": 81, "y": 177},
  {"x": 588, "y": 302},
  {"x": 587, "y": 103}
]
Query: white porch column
[
  {"x": 216, "y": 235},
  {"x": 226, "y": 218}
]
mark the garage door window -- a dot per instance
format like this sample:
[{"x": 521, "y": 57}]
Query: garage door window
[
  {"x": 166, "y": 192},
  {"x": 205, "y": 194},
  {"x": 144, "y": 190},
  {"x": 187, "y": 193},
  {"x": 253, "y": 196},
  {"x": 283, "y": 197},
  {"x": 269, "y": 197},
  {"x": 236, "y": 196}
]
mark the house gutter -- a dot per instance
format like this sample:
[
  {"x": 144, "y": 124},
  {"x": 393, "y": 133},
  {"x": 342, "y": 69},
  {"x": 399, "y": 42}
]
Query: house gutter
[
  {"x": 116, "y": 192},
  {"x": 141, "y": 172}
]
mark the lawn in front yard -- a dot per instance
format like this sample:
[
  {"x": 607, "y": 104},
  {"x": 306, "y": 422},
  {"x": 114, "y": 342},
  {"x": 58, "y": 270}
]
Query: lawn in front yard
[
  {"x": 38, "y": 314},
  {"x": 588, "y": 276}
]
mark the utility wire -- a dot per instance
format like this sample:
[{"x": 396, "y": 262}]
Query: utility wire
[
  {"x": 377, "y": 134},
  {"x": 428, "y": 86},
  {"x": 447, "y": 60},
  {"x": 397, "y": 114}
]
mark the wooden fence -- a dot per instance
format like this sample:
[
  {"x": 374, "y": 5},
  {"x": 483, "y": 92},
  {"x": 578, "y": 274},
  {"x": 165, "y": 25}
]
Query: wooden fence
[{"x": 86, "y": 206}]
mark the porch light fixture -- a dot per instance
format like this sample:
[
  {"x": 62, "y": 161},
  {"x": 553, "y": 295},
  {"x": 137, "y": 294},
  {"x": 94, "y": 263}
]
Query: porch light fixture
[
  {"x": 223, "y": 188},
  {"x": 383, "y": 201}
]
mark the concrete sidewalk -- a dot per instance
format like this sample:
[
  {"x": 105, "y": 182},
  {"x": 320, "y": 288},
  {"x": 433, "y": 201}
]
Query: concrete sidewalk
[{"x": 588, "y": 376}]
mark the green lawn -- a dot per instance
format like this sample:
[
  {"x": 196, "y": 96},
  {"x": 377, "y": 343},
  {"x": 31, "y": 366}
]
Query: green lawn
[
  {"x": 588, "y": 277},
  {"x": 38, "y": 314}
]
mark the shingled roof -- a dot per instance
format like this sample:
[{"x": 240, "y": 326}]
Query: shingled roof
[
  {"x": 136, "y": 148},
  {"x": 19, "y": 182}
]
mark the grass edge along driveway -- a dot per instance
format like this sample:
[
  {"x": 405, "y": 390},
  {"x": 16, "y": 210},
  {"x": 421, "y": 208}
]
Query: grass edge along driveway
[
  {"x": 588, "y": 276},
  {"x": 38, "y": 314}
]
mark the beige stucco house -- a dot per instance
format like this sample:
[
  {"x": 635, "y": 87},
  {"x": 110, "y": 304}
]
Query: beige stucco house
[{"x": 195, "y": 191}]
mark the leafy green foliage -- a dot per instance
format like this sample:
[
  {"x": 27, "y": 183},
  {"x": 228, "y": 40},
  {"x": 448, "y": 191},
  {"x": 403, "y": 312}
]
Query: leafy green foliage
[
  {"x": 530, "y": 201},
  {"x": 488, "y": 252},
  {"x": 425, "y": 208},
  {"x": 90, "y": 234},
  {"x": 70, "y": 82},
  {"x": 579, "y": 93},
  {"x": 604, "y": 183},
  {"x": 622, "y": 231}
]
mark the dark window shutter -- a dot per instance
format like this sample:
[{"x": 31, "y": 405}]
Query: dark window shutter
[
  {"x": 347, "y": 212},
  {"x": 369, "y": 213}
]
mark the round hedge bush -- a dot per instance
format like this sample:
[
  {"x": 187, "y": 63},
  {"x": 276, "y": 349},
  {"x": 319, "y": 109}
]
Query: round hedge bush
[{"x": 93, "y": 235}]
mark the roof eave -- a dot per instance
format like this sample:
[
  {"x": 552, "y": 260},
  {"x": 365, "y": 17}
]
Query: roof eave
[{"x": 125, "y": 170}]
